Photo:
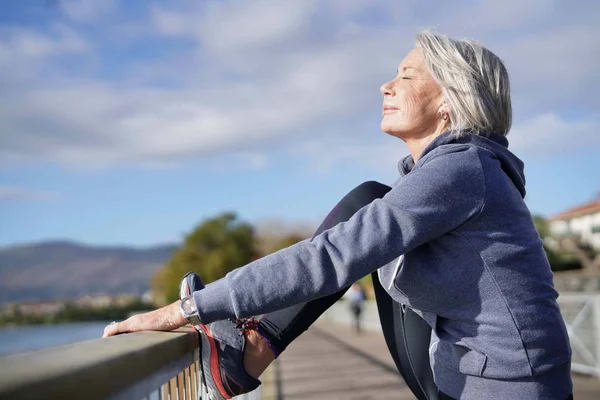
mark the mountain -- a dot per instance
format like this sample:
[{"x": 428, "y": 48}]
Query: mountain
[{"x": 62, "y": 270}]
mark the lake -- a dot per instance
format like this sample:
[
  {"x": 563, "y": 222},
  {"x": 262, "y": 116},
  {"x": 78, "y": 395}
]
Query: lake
[{"x": 17, "y": 339}]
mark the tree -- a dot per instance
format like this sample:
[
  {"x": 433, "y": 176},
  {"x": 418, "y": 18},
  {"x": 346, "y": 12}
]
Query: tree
[
  {"x": 215, "y": 247},
  {"x": 542, "y": 226},
  {"x": 285, "y": 242},
  {"x": 560, "y": 257},
  {"x": 582, "y": 252}
]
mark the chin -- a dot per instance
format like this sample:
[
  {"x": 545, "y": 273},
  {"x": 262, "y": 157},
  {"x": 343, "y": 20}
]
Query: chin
[{"x": 391, "y": 129}]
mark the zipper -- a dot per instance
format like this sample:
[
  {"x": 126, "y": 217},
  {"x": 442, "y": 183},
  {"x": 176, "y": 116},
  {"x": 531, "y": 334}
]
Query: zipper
[{"x": 398, "y": 265}]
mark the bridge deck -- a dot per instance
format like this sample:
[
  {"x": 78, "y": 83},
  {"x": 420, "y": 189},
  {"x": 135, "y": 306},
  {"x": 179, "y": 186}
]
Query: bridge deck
[{"x": 331, "y": 362}]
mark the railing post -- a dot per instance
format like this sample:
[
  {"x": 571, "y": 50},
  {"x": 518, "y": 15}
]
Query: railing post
[{"x": 596, "y": 333}]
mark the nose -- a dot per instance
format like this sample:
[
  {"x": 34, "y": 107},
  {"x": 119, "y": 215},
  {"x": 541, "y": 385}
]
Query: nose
[{"x": 387, "y": 89}]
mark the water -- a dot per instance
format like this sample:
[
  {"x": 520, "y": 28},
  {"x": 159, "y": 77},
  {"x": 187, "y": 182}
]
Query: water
[{"x": 17, "y": 339}]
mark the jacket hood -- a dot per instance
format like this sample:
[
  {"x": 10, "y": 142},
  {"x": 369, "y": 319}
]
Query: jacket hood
[{"x": 491, "y": 142}]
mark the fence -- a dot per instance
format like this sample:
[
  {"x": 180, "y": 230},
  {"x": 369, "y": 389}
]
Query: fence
[
  {"x": 581, "y": 313},
  {"x": 145, "y": 365},
  {"x": 165, "y": 365}
]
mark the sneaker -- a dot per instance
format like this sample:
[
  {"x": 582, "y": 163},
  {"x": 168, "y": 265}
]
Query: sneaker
[
  {"x": 222, "y": 350},
  {"x": 190, "y": 283}
]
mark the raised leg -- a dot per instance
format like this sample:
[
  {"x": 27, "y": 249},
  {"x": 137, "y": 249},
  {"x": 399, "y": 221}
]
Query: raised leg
[{"x": 280, "y": 328}]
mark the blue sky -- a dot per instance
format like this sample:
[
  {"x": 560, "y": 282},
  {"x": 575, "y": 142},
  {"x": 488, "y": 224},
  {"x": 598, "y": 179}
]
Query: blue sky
[{"x": 128, "y": 122}]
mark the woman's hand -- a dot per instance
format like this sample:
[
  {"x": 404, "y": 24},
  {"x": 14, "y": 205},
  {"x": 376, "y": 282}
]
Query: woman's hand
[{"x": 164, "y": 319}]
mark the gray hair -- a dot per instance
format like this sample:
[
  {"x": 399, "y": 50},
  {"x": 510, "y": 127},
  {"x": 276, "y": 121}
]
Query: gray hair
[{"x": 474, "y": 83}]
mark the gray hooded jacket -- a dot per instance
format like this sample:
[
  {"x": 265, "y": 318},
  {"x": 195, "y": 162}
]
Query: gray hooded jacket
[{"x": 454, "y": 241}]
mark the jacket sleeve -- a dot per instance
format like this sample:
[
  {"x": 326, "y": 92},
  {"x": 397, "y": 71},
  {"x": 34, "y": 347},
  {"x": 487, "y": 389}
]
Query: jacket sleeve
[{"x": 445, "y": 189}]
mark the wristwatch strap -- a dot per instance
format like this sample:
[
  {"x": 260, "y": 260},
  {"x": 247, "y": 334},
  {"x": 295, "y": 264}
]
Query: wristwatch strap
[{"x": 194, "y": 319}]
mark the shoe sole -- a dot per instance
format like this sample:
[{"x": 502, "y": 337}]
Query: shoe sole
[
  {"x": 184, "y": 287},
  {"x": 211, "y": 363},
  {"x": 208, "y": 346}
]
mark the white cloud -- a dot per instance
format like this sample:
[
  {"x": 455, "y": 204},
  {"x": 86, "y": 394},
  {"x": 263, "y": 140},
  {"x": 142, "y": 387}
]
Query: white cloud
[
  {"x": 550, "y": 134},
  {"x": 492, "y": 16},
  {"x": 267, "y": 71},
  {"x": 240, "y": 161},
  {"x": 15, "y": 193},
  {"x": 381, "y": 154},
  {"x": 554, "y": 69},
  {"x": 21, "y": 43},
  {"x": 240, "y": 26},
  {"x": 87, "y": 10},
  {"x": 172, "y": 23},
  {"x": 105, "y": 123},
  {"x": 226, "y": 26}
]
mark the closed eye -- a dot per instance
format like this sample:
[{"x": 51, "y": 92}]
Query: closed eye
[{"x": 405, "y": 77}]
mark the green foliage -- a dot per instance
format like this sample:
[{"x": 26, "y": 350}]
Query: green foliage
[
  {"x": 73, "y": 313},
  {"x": 215, "y": 247},
  {"x": 367, "y": 283},
  {"x": 558, "y": 261},
  {"x": 542, "y": 226},
  {"x": 285, "y": 242}
]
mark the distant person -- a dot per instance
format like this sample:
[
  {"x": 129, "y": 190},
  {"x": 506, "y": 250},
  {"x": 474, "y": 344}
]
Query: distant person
[
  {"x": 356, "y": 298},
  {"x": 452, "y": 243}
]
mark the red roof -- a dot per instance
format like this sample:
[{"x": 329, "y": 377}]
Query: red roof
[{"x": 588, "y": 208}]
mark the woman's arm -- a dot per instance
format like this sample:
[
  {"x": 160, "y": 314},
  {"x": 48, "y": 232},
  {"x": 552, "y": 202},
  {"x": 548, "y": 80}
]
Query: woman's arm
[{"x": 445, "y": 190}]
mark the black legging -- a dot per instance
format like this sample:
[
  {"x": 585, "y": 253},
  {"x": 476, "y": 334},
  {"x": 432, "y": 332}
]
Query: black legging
[
  {"x": 285, "y": 325},
  {"x": 408, "y": 347}
]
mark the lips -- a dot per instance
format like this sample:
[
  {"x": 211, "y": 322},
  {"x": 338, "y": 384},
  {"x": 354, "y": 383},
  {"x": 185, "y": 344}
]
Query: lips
[{"x": 387, "y": 109}]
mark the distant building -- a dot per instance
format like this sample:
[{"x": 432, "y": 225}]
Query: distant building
[
  {"x": 41, "y": 307},
  {"x": 148, "y": 297},
  {"x": 124, "y": 299},
  {"x": 582, "y": 223},
  {"x": 102, "y": 301}
]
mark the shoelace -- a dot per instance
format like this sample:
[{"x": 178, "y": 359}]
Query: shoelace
[
  {"x": 252, "y": 324},
  {"x": 246, "y": 324}
]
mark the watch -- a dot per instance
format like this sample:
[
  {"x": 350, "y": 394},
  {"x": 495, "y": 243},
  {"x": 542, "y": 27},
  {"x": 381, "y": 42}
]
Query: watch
[{"x": 189, "y": 311}]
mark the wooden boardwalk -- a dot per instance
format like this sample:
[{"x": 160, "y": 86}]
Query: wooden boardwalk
[{"x": 331, "y": 362}]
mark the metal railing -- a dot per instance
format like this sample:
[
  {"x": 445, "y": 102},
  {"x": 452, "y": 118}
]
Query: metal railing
[
  {"x": 166, "y": 365},
  {"x": 580, "y": 311},
  {"x": 145, "y": 365}
]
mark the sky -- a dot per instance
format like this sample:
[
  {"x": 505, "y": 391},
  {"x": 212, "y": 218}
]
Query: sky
[{"x": 130, "y": 122}]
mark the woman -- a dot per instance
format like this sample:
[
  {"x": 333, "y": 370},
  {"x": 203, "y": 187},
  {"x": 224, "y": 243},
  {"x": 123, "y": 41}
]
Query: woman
[{"x": 452, "y": 240}]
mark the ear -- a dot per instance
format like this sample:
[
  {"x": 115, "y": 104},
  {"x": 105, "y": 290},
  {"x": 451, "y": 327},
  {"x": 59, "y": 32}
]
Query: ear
[
  {"x": 444, "y": 111},
  {"x": 443, "y": 108}
]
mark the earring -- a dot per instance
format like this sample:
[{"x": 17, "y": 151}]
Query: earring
[{"x": 443, "y": 115}]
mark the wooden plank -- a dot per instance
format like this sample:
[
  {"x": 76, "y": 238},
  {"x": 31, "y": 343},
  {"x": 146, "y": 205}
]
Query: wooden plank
[
  {"x": 164, "y": 391},
  {"x": 173, "y": 389},
  {"x": 194, "y": 381},
  {"x": 187, "y": 383},
  {"x": 181, "y": 385}
]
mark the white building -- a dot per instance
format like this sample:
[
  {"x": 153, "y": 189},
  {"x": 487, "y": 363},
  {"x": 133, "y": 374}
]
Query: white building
[{"x": 582, "y": 222}]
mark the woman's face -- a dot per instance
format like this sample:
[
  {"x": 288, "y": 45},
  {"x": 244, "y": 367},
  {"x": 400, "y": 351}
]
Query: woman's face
[{"x": 412, "y": 101}]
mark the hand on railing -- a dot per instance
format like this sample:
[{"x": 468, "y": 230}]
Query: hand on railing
[{"x": 166, "y": 318}]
